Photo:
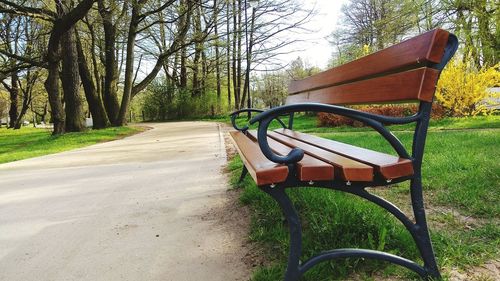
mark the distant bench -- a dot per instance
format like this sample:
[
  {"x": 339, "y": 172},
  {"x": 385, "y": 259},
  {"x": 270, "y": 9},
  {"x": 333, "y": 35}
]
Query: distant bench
[{"x": 284, "y": 158}]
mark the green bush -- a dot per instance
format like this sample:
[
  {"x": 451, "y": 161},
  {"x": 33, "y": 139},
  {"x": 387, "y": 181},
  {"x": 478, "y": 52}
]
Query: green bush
[{"x": 164, "y": 101}]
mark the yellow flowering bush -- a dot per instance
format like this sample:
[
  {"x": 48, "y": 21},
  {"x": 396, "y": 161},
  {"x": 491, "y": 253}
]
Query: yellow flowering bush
[{"x": 463, "y": 90}]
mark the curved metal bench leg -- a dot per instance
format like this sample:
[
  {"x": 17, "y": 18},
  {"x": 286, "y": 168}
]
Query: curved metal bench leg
[
  {"x": 286, "y": 205},
  {"x": 424, "y": 243},
  {"x": 244, "y": 172},
  {"x": 422, "y": 237}
]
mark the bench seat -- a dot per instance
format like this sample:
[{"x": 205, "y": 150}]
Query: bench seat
[
  {"x": 262, "y": 170},
  {"x": 388, "y": 166},
  {"x": 324, "y": 160}
]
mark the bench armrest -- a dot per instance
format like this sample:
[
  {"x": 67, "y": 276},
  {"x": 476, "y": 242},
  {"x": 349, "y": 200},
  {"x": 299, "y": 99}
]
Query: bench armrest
[
  {"x": 372, "y": 120},
  {"x": 235, "y": 115}
]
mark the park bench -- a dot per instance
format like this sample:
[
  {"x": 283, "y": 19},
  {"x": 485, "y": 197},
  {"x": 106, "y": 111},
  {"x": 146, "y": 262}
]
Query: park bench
[{"x": 284, "y": 158}]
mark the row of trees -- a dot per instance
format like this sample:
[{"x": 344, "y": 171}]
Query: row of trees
[
  {"x": 377, "y": 24},
  {"x": 370, "y": 25},
  {"x": 463, "y": 90},
  {"x": 95, "y": 56}
]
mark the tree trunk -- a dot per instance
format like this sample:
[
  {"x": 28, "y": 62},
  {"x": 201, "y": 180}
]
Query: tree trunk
[
  {"x": 217, "y": 56},
  {"x": 52, "y": 87},
  {"x": 14, "y": 100},
  {"x": 204, "y": 72},
  {"x": 75, "y": 117},
  {"x": 175, "y": 75},
  {"x": 27, "y": 92},
  {"x": 63, "y": 24},
  {"x": 96, "y": 107},
  {"x": 235, "y": 40},
  {"x": 183, "y": 71},
  {"x": 93, "y": 54},
  {"x": 196, "y": 62},
  {"x": 129, "y": 66},
  {"x": 238, "y": 62},
  {"x": 110, "y": 96},
  {"x": 228, "y": 56},
  {"x": 24, "y": 109},
  {"x": 197, "y": 53},
  {"x": 44, "y": 113},
  {"x": 246, "y": 88},
  {"x": 183, "y": 51}
]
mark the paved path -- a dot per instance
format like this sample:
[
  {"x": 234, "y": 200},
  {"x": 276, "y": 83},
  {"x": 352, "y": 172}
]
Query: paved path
[{"x": 132, "y": 209}]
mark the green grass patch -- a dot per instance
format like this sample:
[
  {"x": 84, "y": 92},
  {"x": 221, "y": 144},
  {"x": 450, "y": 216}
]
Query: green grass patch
[
  {"x": 461, "y": 175},
  {"x": 32, "y": 142},
  {"x": 461, "y": 168}
]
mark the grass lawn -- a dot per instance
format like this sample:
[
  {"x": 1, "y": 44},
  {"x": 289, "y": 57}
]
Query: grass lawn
[
  {"x": 461, "y": 175},
  {"x": 32, "y": 142}
]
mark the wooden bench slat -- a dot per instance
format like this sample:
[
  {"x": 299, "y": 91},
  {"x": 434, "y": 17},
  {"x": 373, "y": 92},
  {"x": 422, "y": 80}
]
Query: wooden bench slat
[
  {"x": 262, "y": 170},
  {"x": 389, "y": 166},
  {"x": 347, "y": 169},
  {"x": 309, "y": 168},
  {"x": 428, "y": 47},
  {"x": 418, "y": 84}
]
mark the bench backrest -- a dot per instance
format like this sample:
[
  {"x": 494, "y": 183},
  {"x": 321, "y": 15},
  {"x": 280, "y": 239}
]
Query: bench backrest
[{"x": 404, "y": 72}]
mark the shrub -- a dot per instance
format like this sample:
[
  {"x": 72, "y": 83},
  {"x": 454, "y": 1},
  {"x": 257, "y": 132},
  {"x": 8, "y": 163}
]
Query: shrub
[
  {"x": 463, "y": 90},
  {"x": 333, "y": 120},
  {"x": 158, "y": 101},
  {"x": 163, "y": 101}
]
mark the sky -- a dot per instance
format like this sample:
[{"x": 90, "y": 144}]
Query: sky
[{"x": 315, "y": 49}]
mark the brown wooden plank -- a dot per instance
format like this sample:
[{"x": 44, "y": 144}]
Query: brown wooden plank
[
  {"x": 418, "y": 84},
  {"x": 308, "y": 169},
  {"x": 347, "y": 169},
  {"x": 389, "y": 166},
  {"x": 262, "y": 170},
  {"x": 428, "y": 47}
]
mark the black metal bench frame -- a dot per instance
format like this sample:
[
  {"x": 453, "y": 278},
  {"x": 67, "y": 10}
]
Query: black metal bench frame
[{"x": 418, "y": 229}]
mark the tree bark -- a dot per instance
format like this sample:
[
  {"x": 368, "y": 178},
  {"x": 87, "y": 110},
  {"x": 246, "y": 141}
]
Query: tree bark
[
  {"x": 24, "y": 109},
  {"x": 246, "y": 87},
  {"x": 93, "y": 55},
  {"x": 198, "y": 49},
  {"x": 217, "y": 55},
  {"x": 96, "y": 107},
  {"x": 110, "y": 95},
  {"x": 228, "y": 56},
  {"x": 75, "y": 117},
  {"x": 204, "y": 72},
  {"x": 14, "y": 99},
  {"x": 238, "y": 55},
  {"x": 183, "y": 56},
  {"x": 235, "y": 40},
  {"x": 183, "y": 70},
  {"x": 64, "y": 23},
  {"x": 175, "y": 75},
  {"x": 52, "y": 86},
  {"x": 27, "y": 91},
  {"x": 129, "y": 64}
]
